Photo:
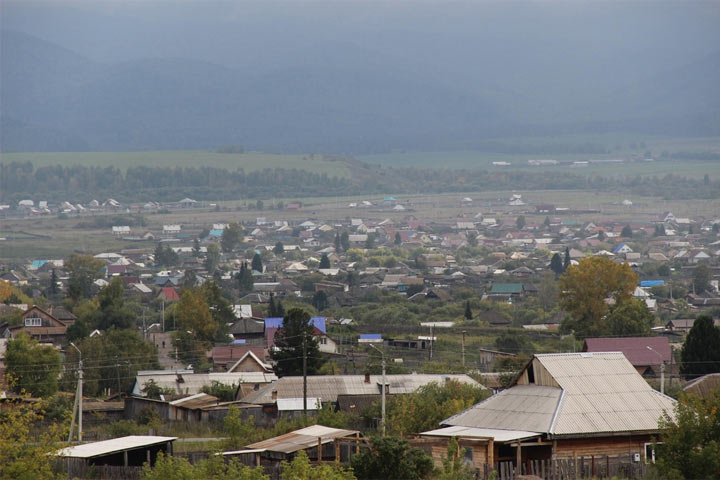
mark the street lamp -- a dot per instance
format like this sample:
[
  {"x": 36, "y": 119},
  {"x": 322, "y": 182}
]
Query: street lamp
[
  {"x": 662, "y": 369},
  {"x": 383, "y": 387}
]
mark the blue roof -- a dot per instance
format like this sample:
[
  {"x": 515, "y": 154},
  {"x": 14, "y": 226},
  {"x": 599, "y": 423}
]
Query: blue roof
[
  {"x": 389, "y": 199},
  {"x": 616, "y": 249},
  {"x": 38, "y": 263},
  {"x": 238, "y": 341},
  {"x": 652, "y": 283},
  {"x": 215, "y": 233},
  {"x": 277, "y": 322},
  {"x": 370, "y": 336}
]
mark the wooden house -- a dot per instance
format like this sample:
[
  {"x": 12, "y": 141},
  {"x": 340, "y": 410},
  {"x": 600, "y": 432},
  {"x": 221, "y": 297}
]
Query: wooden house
[
  {"x": 561, "y": 406},
  {"x": 41, "y": 326}
]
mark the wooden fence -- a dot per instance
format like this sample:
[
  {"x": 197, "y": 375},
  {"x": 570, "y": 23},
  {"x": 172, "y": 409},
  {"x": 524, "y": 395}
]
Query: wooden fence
[{"x": 595, "y": 467}]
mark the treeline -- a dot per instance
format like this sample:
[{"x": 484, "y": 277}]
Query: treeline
[{"x": 79, "y": 184}]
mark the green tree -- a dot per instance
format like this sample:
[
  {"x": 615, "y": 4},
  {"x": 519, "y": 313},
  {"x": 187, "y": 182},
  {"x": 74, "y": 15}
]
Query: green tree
[
  {"x": 337, "y": 242},
  {"x": 320, "y": 300},
  {"x": 110, "y": 361},
  {"x": 468, "y": 311},
  {"x": 626, "y": 231},
  {"x": 220, "y": 309},
  {"x": 279, "y": 248},
  {"x": 165, "y": 255},
  {"x": 31, "y": 367},
  {"x": 398, "y": 238},
  {"x": 301, "y": 469},
  {"x": 472, "y": 238},
  {"x": 630, "y": 318},
  {"x": 289, "y": 340},
  {"x": 345, "y": 241},
  {"x": 567, "y": 260},
  {"x": 259, "y": 205},
  {"x": 701, "y": 278},
  {"x": 82, "y": 270},
  {"x": 224, "y": 392},
  {"x": 231, "y": 237},
  {"x": 196, "y": 247},
  {"x": 245, "y": 279},
  {"x": 556, "y": 264},
  {"x": 426, "y": 408},
  {"x": 690, "y": 440},
  {"x": 324, "y": 261},
  {"x": 257, "y": 263},
  {"x": 701, "y": 350},
  {"x": 520, "y": 222},
  {"x": 53, "y": 290},
  {"x": 390, "y": 457},
  {"x": 212, "y": 257},
  {"x": 370, "y": 241},
  {"x": 112, "y": 310},
  {"x": 546, "y": 222},
  {"x": 585, "y": 289}
]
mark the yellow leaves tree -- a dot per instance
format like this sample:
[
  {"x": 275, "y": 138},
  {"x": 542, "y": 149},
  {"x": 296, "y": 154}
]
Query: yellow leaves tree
[
  {"x": 589, "y": 289},
  {"x": 25, "y": 449}
]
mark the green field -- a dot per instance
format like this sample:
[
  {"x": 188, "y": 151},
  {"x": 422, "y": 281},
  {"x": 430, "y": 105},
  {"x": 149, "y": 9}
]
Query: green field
[
  {"x": 619, "y": 145},
  {"x": 250, "y": 161}
]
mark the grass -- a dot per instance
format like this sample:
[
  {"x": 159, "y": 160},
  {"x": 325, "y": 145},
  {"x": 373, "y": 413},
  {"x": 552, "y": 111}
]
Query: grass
[{"x": 251, "y": 161}]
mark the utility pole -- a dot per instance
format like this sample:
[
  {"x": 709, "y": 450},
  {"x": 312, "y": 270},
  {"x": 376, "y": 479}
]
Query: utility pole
[
  {"x": 144, "y": 326},
  {"x": 77, "y": 407},
  {"x": 431, "y": 342},
  {"x": 117, "y": 368},
  {"x": 304, "y": 373},
  {"x": 662, "y": 369},
  {"x": 384, "y": 383},
  {"x": 163, "y": 315},
  {"x": 463, "y": 348}
]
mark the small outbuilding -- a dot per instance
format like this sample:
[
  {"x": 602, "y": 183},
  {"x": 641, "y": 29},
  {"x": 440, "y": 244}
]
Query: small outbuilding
[{"x": 130, "y": 451}]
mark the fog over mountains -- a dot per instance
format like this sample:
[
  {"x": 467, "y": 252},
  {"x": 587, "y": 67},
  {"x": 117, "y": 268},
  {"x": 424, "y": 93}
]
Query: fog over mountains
[{"x": 351, "y": 77}]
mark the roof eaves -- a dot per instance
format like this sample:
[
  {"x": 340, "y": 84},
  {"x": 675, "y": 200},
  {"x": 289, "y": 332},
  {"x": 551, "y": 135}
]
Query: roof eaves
[{"x": 557, "y": 412}]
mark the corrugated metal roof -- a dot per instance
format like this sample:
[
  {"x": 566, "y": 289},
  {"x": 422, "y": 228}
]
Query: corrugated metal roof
[
  {"x": 522, "y": 407},
  {"x": 294, "y": 404},
  {"x": 328, "y": 387},
  {"x": 192, "y": 383},
  {"x": 601, "y": 393},
  {"x": 105, "y": 447},
  {"x": 497, "y": 434},
  {"x": 302, "y": 439},
  {"x": 199, "y": 400}
]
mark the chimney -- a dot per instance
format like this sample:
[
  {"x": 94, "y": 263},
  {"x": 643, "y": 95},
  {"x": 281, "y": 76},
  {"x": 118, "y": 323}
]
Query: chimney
[
  {"x": 274, "y": 395},
  {"x": 367, "y": 378}
]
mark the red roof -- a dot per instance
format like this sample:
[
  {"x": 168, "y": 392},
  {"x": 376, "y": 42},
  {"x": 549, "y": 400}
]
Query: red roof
[
  {"x": 169, "y": 293},
  {"x": 635, "y": 349}
]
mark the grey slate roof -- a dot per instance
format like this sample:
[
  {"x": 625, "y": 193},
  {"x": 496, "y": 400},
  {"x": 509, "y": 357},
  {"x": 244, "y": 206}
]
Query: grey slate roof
[
  {"x": 595, "y": 393},
  {"x": 328, "y": 387},
  {"x": 522, "y": 407}
]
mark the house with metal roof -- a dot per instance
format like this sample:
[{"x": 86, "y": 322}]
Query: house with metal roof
[
  {"x": 186, "y": 382},
  {"x": 565, "y": 405},
  {"x": 645, "y": 353},
  {"x": 335, "y": 388}
]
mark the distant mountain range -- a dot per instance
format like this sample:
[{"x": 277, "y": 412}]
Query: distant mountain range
[{"x": 54, "y": 99}]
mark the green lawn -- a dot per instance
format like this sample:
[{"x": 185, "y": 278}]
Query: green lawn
[{"x": 187, "y": 158}]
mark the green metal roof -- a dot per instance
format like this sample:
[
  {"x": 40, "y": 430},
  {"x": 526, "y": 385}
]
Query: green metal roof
[{"x": 507, "y": 288}]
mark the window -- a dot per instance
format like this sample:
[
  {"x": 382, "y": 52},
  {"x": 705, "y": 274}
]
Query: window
[
  {"x": 323, "y": 340},
  {"x": 652, "y": 451},
  {"x": 33, "y": 322},
  {"x": 468, "y": 455}
]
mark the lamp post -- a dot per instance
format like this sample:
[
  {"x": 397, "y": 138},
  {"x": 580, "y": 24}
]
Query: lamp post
[
  {"x": 382, "y": 396},
  {"x": 662, "y": 369}
]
